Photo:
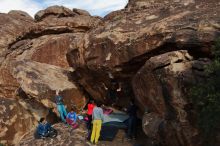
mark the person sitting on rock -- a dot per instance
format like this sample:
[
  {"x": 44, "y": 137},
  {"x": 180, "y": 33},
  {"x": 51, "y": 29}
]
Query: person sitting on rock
[
  {"x": 60, "y": 107},
  {"x": 97, "y": 117},
  {"x": 44, "y": 129},
  {"x": 71, "y": 119}
]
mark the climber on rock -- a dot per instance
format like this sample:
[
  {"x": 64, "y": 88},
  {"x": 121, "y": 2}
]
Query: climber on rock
[
  {"x": 44, "y": 130},
  {"x": 97, "y": 117},
  {"x": 71, "y": 119},
  {"x": 60, "y": 107},
  {"x": 112, "y": 91}
]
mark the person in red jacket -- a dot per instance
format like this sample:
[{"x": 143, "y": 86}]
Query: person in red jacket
[{"x": 90, "y": 107}]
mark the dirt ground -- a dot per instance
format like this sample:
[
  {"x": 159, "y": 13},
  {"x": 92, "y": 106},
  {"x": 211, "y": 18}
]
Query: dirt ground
[{"x": 69, "y": 137}]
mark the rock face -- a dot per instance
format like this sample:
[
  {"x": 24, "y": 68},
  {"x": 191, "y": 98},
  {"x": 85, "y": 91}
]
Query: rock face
[
  {"x": 34, "y": 65},
  {"x": 15, "y": 120},
  {"x": 153, "y": 51},
  {"x": 66, "y": 136},
  {"x": 162, "y": 86},
  {"x": 131, "y": 36},
  {"x": 157, "y": 50},
  {"x": 40, "y": 81}
]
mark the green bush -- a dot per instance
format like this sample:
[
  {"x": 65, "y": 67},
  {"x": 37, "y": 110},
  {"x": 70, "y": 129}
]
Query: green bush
[{"x": 206, "y": 100}]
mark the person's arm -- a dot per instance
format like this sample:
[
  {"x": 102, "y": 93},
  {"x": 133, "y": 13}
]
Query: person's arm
[
  {"x": 102, "y": 115},
  {"x": 125, "y": 109},
  {"x": 89, "y": 108},
  {"x": 68, "y": 116},
  {"x": 74, "y": 117},
  {"x": 119, "y": 88},
  {"x": 42, "y": 129},
  {"x": 104, "y": 86},
  {"x": 93, "y": 114}
]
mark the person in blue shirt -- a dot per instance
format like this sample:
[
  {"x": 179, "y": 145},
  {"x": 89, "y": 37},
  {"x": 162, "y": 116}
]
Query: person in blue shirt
[
  {"x": 71, "y": 118},
  {"x": 60, "y": 107},
  {"x": 43, "y": 128}
]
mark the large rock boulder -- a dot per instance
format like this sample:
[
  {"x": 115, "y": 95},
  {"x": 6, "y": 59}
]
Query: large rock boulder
[
  {"x": 161, "y": 86},
  {"x": 15, "y": 121},
  {"x": 13, "y": 27},
  {"x": 18, "y": 13},
  {"x": 33, "y": 65},
  {"x": 130, "y": 37},
  {"x": 81, "y": 12},
  {"x": 152, "y": 47},
  {"x": 41, "y": 81},
  {"x": 153, "y": 51},
  {"x": 58, "y": 19},
  {"x": 53, "y": 11}
]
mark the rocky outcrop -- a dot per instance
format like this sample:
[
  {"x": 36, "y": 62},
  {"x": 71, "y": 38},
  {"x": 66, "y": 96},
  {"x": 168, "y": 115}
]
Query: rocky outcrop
[
  {"x": 153, "y": 51},
  {"x": 41, "y": 81},
  {"x": 15, "y": 120},
  {"x": 162, "y": 86},
  {"x": 34, "y": 65},
  {"x": 58, "y": 12},
  {"x": 154, "y": 48},
  {"x": 66, "y": 136},
  {"x": 127, "y": 40},
  {"x": 54, "y": 11},
  {"x": 81, "y": 12}
]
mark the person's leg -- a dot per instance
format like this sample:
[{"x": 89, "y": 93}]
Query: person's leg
[
  {"x": 60, "y": 110},
  {"x": 98, "y": 130},
  {"x": 64, "y": 111},
  {"x": 89, "y": 122},
  {"x": 129, "y": 132},
  {"x": 93, "y": 131},
  {"x": 69, "y": 121},
  {"x": 134, "y": 128},
  {"x": 89, "y": 125}
]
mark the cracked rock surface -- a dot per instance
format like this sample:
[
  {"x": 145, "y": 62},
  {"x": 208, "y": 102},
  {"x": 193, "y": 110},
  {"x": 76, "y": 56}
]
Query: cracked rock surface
[{"x": 155, "y": 51}]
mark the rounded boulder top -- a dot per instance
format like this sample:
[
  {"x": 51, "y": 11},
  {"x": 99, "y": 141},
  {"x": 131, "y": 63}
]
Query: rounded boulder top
[{"x": 54, "y": 11}]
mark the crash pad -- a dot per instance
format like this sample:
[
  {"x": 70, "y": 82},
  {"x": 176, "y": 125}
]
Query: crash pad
[
  {"x": 112, "y": 123},
  {"x": 119, "y": 125},
  {"x": 108, "y": 133},
  {"x": 115, "y": 117}
]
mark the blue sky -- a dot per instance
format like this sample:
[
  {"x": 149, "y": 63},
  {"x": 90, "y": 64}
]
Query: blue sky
[{"x": 95, "y": 7}]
